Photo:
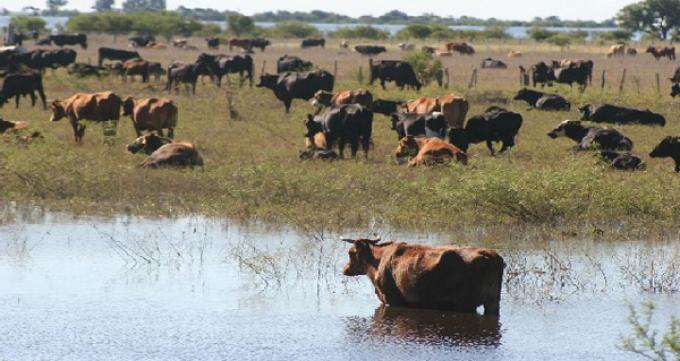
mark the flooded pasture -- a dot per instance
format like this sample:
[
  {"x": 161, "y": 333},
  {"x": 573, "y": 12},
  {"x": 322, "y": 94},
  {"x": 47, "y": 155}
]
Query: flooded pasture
[{"x": 129, "y": 288}]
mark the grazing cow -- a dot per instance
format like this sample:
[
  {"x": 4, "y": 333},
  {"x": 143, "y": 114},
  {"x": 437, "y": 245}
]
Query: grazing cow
[
  {"x": 607, "y": 113},
  {"x": 137, "y": 67},
  {"x": 116, "y": 54},
  {"x": 406, "y": 46},
  {"x": 292, "y": 85},
  {"x": 69, "y": 39},
  {"x": 662, "y": 51},
  {"x": 587, "y": 138},
  {"x": 419, "y": 125},
  {"x": 460, "y": 47},
  {"x": 453, "y": 107},
  {"x": 542, "y": 101},
  {"x": 147, "y": 143},
  {"x": 370, "y": 49},
  {"x": 357, "y": 96},
  {"x": 223, "y": 65},
  {"x": 349, "y": 123},
  {"x": 616, "y": 50},
  {"x": 585, "y": 66},
  {"x": 174, "y": 154},
  {"x": 386, "y": 107},
  {"x": 213, "y": 43},
  {"x": 308, "y": 43},
  {"x": 83, "y": 70},
  {"x": 141, "y": 40},
  {"x": 400, "y": 72},
  {"x": 249, "y": 44},
  {"x": 669, "y": 147},
  {"x": 621, "y": 160},
  {"x": 495, "y": 125},
  {"x": 427, "y": 151},
  {"x": 514, "y": 54},
  {"x": 187, "y": 74},
  {"x": 152, "y": 114},
  {"x": 446, "y": 278},
  {"x": 16, "y": 85},
  {"x": 292, "y": 63},
  {"x": 490, "y": 63},
  {"x": 98, "y": 107}
]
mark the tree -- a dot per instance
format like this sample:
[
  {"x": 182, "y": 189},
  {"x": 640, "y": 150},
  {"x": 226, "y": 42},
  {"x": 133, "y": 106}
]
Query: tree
[
  {"x": 655, "y": 17},
  {"x": 31, "y": 9},
  {"x": 240, "y": 24},
  {"x": 417, "y": 31},
  {"x": 540, "y": 34},
  {"x": 103, "y": 5},
  {"x": 54, "y": 5},
  {"x": 27, "y": 24},
  {"x": 143, "y": 5}
]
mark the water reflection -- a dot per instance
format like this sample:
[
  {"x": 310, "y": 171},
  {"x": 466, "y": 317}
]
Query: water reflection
[{"x": 426, "y": 327}]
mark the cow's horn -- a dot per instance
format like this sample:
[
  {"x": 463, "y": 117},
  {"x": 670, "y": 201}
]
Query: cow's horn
[
  {"x": 374, "y": 241},
  {"x": 348, "y": 240}
]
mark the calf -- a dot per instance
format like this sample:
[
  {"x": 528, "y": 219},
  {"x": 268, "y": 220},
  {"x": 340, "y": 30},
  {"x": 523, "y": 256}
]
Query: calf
[
  {"x": 187, "y": 74},
  {"x": 621, "y": 160},
  {"x": 175, "y": 155},
  {"x": 400, "y": 72},
  {"x": 359, "y": 96},
  {"x": 291, "y": 85},
  {"x": 98, "y": 107},
  {"x": 607, "y": 113},
  {"x": 152, "y": 114},
  {"x": 446, "y": 278},
  {"x": 349, "y": 123},
  {"x": 147, "y": 143},
  {"x": 592, "y": 137},
  {"x": 16, "y": 85},
  {"x": 495, "y": 125},
  {"x": 419, "y": 125},
  {"x": 426, "y": 151},
  {"x": 669, "y": 147},
  {"x": 543, "y": 101}
]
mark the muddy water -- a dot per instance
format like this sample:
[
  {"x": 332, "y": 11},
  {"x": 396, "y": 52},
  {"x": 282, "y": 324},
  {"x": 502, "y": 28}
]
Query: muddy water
[{"x": 128, "y": 288}]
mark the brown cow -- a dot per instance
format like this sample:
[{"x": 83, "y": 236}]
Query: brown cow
[
  {"x": 7, "y": 126},
  {"x": 447, "y": 278},
  {"x": 175, "y": 154},
  {"x": 134, "y": 67},
  {"x": 453, "y": 107},
  {"x": 98, "y": 107},
  {"x": 152, "y": 114},
  {"x": 427, "y": 151},
  {"x": 328, "y": 99},
  {"x": 460, "y": 47},
  {"x": 179, "y": 43},
  {"x": 661, "y": 51}
]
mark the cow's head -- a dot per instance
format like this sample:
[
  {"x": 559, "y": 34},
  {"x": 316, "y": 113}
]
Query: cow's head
[
  {"x": 585, "y": 112},
  {"x": 566, "y": 128},
  {"x": 128, "y": 106},
  {"x": 668, "y": 147},
  {"x": 322, "y": 97},
  {"x": 268, "y": 81},
  {"x": 408, "y": 147},
  {"x": 312, "y": 126},
  {"x": 458, "y": 137},
  {"x": 675, "y": 90},
  {"x": 149, "y": 143},
  {"x": 360, "y": 256},
  {"x": 58, "y": 110}
]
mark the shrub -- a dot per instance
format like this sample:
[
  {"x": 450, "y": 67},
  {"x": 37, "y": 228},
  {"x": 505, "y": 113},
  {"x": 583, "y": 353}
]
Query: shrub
[
  {"x": 209, "y": 30},
  {"x": 561, "y": 40},
  {"x": 425, "y": 64},
  {"x": 540, "y": 34},
  {"x": 360, "y": 32},
  {"x": 240, "y": 24},
  {"x": 496, "y": 32},
  {"x": 615, "y": 35},
  {"x": 414, "y": 31},
  {"x": 166, "y": 24},
  {"x": 29, "y": 23}
]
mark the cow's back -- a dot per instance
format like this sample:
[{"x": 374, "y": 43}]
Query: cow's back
[{"x": 455, "y": 110}]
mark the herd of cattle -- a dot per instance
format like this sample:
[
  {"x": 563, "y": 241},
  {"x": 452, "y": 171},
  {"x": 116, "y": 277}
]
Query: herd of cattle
[{"x": 429, "y": 130}]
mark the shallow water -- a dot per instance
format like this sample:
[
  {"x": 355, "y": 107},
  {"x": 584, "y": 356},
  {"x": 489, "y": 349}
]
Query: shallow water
[{"x": 129, "y": 288}]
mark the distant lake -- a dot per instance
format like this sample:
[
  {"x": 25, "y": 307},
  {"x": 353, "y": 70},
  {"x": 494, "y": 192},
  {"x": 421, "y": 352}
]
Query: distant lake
[{"x": 54, "y": 22}]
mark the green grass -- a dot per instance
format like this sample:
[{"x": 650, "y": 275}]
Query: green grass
[{"x": 252, "y": 171}]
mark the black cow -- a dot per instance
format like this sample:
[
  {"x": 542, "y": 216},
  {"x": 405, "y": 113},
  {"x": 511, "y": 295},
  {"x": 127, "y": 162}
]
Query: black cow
[
  {"x": 308, "y": 43},
  {"x": 675, "y": 90},
  {"x": 676, "y": 76},
  {"x": 16, "y": 85},
  {"x": 223, "y": 65},
  {"x": 572, "y": 74},
  {"x": 668, "y": 148},
  {"x": 386, "y": 107},
  {"x": 69, "y": 39},
  {"x": 369, "y": 49},
  {"x": 141, "y": 40},
  {"x": 400, "y": 72},
  {"x": 419, "y": 125},
  {"x": 44, "y": 42},
  {"x": 292, "y": 63},
  {"x": 495, "y": 125},
  {"x": 607, "y": 113},
  {"x": 186, "y": 73},
  {"x": 542, "y": 74},
  {"x": 41, "y": 59},
  {"x": 591, "y": 137},
  {"x": 293, "y": 85},
  {"x": 621, "y": 160},
  {"x": 116, "y": 54},
  {"x": 213, "y": 43},
  {"x": 493, "y": 64},
  {"x": 543, "y": 101},
  {"x": 349, "y": 123}
]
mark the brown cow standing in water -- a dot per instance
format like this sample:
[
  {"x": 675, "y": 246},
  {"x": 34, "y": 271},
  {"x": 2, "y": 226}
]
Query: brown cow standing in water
[
  {"x": 458, "y": 279},
  {"x": 98, "y": 107},
  {"x": 152, "y": 114}
]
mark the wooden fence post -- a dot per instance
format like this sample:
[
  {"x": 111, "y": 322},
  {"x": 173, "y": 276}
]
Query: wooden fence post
[
  {"x": 264, "y": 64},
  {"x": 360, "y": 75},
  {"x": 604, "y": 72},
  {"x": 335, "y": 70},
  {"x": 448, "y": 79},
  {"x": 658, "y": 83},
  {"x": 473, "y": 78},
  {"x": 623, "y": 80}
]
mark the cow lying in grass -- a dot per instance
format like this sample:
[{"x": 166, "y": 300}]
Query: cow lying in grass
[
  {"x": 161, "y": 153},
  {"x": 427, "y": 151},
  {"x": 592, "y": 137}
]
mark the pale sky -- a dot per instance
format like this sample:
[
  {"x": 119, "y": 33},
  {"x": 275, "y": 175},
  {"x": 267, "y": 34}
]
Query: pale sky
[{"x": 501, "y": 9}]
